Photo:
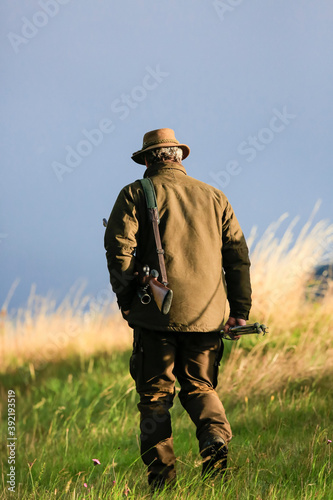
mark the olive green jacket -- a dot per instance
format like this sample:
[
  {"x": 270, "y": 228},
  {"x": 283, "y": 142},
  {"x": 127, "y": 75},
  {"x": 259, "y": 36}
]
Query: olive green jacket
[{"x": 206, "y": 255}]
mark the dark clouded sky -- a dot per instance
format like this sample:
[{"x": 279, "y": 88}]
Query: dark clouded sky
[{"x": 246, "y": 84}]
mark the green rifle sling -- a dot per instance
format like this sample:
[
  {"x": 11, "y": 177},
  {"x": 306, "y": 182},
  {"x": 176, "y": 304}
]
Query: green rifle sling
[{"x": 148, "y": 188}]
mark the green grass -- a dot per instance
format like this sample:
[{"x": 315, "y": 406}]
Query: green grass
[
  {"x": 76, "y": 410},
  {"x": 277, "y": 391}
]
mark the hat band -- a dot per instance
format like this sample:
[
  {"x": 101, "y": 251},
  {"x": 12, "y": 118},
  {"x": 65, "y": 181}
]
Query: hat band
[{"x": 146, "y": 144}]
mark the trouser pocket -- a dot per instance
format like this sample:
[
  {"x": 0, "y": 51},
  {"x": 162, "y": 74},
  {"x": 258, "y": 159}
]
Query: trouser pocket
[
  {"x": 219, "y": 354},
  {"x": 136, "y": 357}
]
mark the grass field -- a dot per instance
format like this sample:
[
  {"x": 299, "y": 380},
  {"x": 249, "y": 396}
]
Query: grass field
[{"x": 75, "y": 400}]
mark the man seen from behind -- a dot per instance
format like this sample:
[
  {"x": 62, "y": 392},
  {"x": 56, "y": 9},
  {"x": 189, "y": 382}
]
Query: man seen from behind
[{"x": 207, "y": 264}]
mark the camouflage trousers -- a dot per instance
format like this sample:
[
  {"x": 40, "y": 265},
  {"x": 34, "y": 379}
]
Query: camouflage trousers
[{"x": 158, "y": 359}]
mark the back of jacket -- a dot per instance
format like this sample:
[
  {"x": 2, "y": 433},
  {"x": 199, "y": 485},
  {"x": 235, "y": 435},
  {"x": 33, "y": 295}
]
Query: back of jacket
[{"x": 206, "y": 255}]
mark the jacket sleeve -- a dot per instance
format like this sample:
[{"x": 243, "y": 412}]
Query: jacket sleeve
[
  {"x": 236, "y": 265},
  {"x": 120, "y": 243}
]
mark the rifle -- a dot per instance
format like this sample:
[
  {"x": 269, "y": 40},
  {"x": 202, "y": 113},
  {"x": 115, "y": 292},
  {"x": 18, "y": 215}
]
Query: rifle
[
  {"x": 235, "y": 331},
  {"x": 159, "y": 291}
]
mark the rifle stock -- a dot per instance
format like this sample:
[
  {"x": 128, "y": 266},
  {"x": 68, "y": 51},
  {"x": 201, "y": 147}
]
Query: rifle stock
[{"x": 161, "y": 294}]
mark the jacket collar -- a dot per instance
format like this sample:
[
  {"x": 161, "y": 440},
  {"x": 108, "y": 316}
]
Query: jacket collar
[{"x": 162, "y": 167}]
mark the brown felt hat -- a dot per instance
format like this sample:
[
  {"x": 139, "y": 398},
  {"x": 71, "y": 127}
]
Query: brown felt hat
[{"x": 160, "y": 138}]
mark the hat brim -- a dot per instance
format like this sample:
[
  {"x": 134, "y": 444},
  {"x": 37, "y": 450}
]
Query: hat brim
[{"x": 139, "y": 156}]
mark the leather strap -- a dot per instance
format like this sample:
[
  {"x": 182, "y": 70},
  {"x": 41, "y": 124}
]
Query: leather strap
[{"x": 148, "y": 188}]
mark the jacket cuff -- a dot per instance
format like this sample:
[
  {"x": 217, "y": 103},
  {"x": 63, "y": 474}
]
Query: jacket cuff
[
  {"x": 239, "y": 315},
  {"x": 124, "y": 305}
]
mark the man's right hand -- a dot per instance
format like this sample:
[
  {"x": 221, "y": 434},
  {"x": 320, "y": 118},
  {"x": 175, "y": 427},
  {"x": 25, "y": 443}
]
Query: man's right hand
[{"x": 234, "y": 322}]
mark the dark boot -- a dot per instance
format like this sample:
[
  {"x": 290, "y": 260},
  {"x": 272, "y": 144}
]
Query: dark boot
[
  {"x": 156, "y": 482},
  {"x": 214, "y": 452},
  {"x": 159, "y": 481}
]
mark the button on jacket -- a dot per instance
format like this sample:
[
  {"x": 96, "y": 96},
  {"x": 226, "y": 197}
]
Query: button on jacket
[{"x": 206, "y": 255}]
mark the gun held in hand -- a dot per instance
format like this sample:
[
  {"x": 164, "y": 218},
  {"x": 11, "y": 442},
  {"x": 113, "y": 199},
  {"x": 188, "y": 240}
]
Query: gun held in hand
[{"x": 237, "y": 331}]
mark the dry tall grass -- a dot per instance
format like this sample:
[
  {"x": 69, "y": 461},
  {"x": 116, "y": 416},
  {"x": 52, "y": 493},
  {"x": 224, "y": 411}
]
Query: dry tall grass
[
  {"x": 43, "y": 332},
  {"x": 298, "y": 346}
]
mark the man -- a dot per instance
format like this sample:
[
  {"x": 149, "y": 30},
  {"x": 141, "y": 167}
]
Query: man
[{"x": 207, "y": 263}]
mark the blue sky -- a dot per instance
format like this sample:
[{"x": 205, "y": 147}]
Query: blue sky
[{"x": 247, "y": 85}]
